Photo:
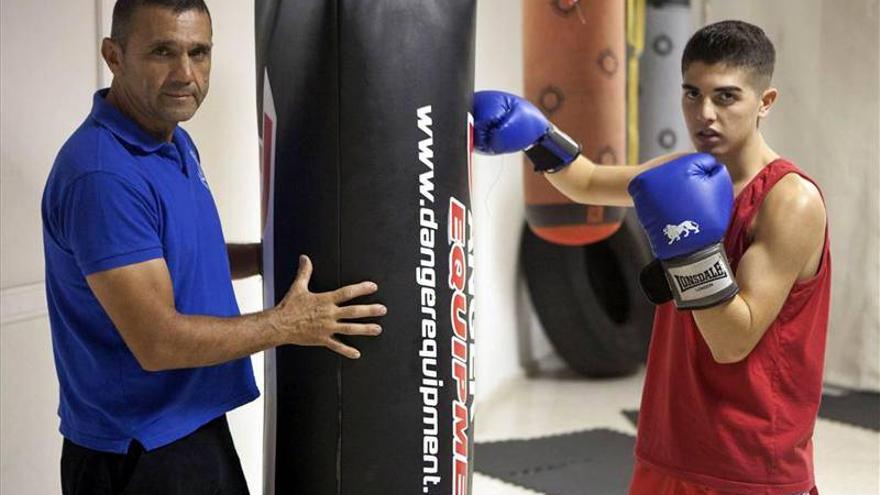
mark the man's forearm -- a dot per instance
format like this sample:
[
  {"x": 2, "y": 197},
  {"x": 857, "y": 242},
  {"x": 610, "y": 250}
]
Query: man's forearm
[
  {"x": 580, "y": 182},
  {"x": 244, "y": 259},
  {"x": 189, "y": 341},
  {"x": 728, "y": 330},
  {"x": 589, "y": 183}
]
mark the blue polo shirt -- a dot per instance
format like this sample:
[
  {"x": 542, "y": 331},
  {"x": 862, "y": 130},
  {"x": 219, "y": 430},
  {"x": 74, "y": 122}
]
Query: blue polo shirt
[{"x": 117, "y": 196}]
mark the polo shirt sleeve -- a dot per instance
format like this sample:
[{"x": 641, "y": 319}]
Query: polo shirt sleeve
[{"x": 109, "y": 223}]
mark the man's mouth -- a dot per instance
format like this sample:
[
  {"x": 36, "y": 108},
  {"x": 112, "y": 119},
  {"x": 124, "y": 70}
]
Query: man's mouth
[
  {"x": 708, "y": 133},
  {"x": 179, "y": 96},
  {"x": 708, "y": 137}
]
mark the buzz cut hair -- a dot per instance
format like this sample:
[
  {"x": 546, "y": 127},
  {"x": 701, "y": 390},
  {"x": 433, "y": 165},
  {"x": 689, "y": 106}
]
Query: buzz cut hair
[
  {"x": 124, "y": 10},
  {"x": 735, "y": 44}
]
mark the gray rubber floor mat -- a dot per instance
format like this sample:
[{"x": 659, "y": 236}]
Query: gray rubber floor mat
[
  {"x": 632, "y": 415},
  {"x": 589, "y": 462},
  {"x": 851, "y": 407}
]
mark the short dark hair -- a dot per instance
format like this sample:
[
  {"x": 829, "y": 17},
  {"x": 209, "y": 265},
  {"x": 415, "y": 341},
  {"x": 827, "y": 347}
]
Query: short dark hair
[
  {"x": 124, "y": 10},
  {"x": 734, "y": 43}
]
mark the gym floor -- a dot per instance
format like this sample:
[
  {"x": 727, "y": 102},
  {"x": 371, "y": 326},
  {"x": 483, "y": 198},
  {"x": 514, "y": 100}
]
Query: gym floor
[{"x": 559, "y": 434}]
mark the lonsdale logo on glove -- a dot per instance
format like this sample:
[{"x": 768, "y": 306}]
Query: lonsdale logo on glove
[
  {"x": 687, "y": 279},
  {"x": 687, "y": 282},
  {"x": 702, "y": 277}
]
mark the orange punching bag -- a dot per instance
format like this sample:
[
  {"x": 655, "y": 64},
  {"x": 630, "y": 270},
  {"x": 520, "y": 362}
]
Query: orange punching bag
[{"x": 575, "y": 72}]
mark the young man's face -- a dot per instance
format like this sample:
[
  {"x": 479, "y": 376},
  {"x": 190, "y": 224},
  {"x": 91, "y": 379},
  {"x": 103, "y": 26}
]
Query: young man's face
[
  {"x": 721, "y": 107},
  {"x": 165, "y": 66}
]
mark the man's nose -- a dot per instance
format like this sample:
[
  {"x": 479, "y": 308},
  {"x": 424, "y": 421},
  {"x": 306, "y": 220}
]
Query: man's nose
[
  {"x": 183, "y": 69},
  {"x": 707, "y": 110}
]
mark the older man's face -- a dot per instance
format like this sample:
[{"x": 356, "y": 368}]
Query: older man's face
[{"x": 166, "y": 65}]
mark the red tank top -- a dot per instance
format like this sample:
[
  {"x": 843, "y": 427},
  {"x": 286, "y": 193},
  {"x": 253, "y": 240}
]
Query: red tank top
[{"x": 745, "y": 427}]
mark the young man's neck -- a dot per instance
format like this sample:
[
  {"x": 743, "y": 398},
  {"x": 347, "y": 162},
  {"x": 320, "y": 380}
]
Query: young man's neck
[
  {"x": 118, "y": 99},
  {"x": 746, "y": 162}
]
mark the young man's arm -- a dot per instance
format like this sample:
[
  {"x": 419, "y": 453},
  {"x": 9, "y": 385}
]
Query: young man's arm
[
  {"x": 244, "y": 259},
  {"x": 789, "y": 234},
  {"x": 506, "y": 123},
  {"x": 139, "y": 299},
  {"x": 586, "y": 182}
]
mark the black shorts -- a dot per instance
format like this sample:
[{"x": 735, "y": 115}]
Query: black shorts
[{"x": 203, "y": 462}]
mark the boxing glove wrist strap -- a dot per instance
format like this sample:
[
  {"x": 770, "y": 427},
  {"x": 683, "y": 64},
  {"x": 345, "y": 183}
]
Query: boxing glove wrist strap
[
  {"x": 701, "y": 279},
  {"x": 652, "y": 280},
  {"x": 553, "y": 152}
]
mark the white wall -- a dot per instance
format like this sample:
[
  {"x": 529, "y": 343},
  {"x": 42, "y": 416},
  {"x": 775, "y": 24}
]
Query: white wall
[
  {"x": 48, "y": 70},
  {"x": 498, "y": 205}
]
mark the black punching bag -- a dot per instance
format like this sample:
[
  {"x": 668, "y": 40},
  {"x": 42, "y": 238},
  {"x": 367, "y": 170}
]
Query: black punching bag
[{"x": 366, "y": 143}]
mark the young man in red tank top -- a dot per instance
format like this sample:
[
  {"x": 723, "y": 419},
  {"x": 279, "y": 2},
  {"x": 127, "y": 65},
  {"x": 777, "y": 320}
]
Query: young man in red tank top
[{"x": 734, "y": 374}]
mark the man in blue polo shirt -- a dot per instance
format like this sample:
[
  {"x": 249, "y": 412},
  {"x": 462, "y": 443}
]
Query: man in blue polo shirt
[{"x": 150, "y": 348}]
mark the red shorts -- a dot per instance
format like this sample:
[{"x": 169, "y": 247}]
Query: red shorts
[{"x": 649, "y": 481}]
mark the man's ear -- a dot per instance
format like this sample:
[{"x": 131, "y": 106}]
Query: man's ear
[
  {"x": 111, "y": 51},
  {"x": 768, "y": 98}
]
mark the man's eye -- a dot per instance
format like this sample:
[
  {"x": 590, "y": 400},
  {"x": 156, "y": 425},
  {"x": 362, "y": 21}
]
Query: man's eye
[
  {"x": 691, "y": 94},
  {"x": 199, "y": 53},
  {"x": 161, "y": 51},
  {"x": 726, "y": 98}
]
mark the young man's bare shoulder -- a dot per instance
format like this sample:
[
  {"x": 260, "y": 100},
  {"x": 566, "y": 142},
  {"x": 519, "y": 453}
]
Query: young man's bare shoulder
[
  {"x": 793, "y": 207},
  {"x": 797, "y": 194}
]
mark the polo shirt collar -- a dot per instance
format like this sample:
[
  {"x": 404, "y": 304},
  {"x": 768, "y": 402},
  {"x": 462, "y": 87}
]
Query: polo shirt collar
[{"x": 123, "y": 126}]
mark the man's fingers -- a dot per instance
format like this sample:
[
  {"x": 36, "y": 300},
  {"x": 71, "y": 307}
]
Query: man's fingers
[
  {"x": 350, "y": 292},
  {"x": 361, "y": 311},
  {"x": 340, "y": 348},
  {"x": 303, "y": 273},
  {"x": 363, "y": 329}
]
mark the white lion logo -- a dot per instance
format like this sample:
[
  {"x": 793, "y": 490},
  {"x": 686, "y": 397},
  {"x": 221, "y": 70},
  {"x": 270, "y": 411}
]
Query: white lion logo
[{"x": 674, "y": 232}]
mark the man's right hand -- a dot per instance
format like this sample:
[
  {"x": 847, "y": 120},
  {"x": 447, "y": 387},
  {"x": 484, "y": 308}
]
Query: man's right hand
[
  {"x": 312, "y": 319},
  {"x": 506, "y": 123}
]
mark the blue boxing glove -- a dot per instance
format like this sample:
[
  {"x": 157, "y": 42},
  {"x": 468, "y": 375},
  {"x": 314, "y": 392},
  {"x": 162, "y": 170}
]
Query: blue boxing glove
[
  {"x": 685, "y": 207},
  {"x": 506, "y": 123}
]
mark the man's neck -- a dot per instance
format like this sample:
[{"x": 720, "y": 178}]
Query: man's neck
[
  {"x": 745, "y": 163},
  {"x": 121, "y": 102}
]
